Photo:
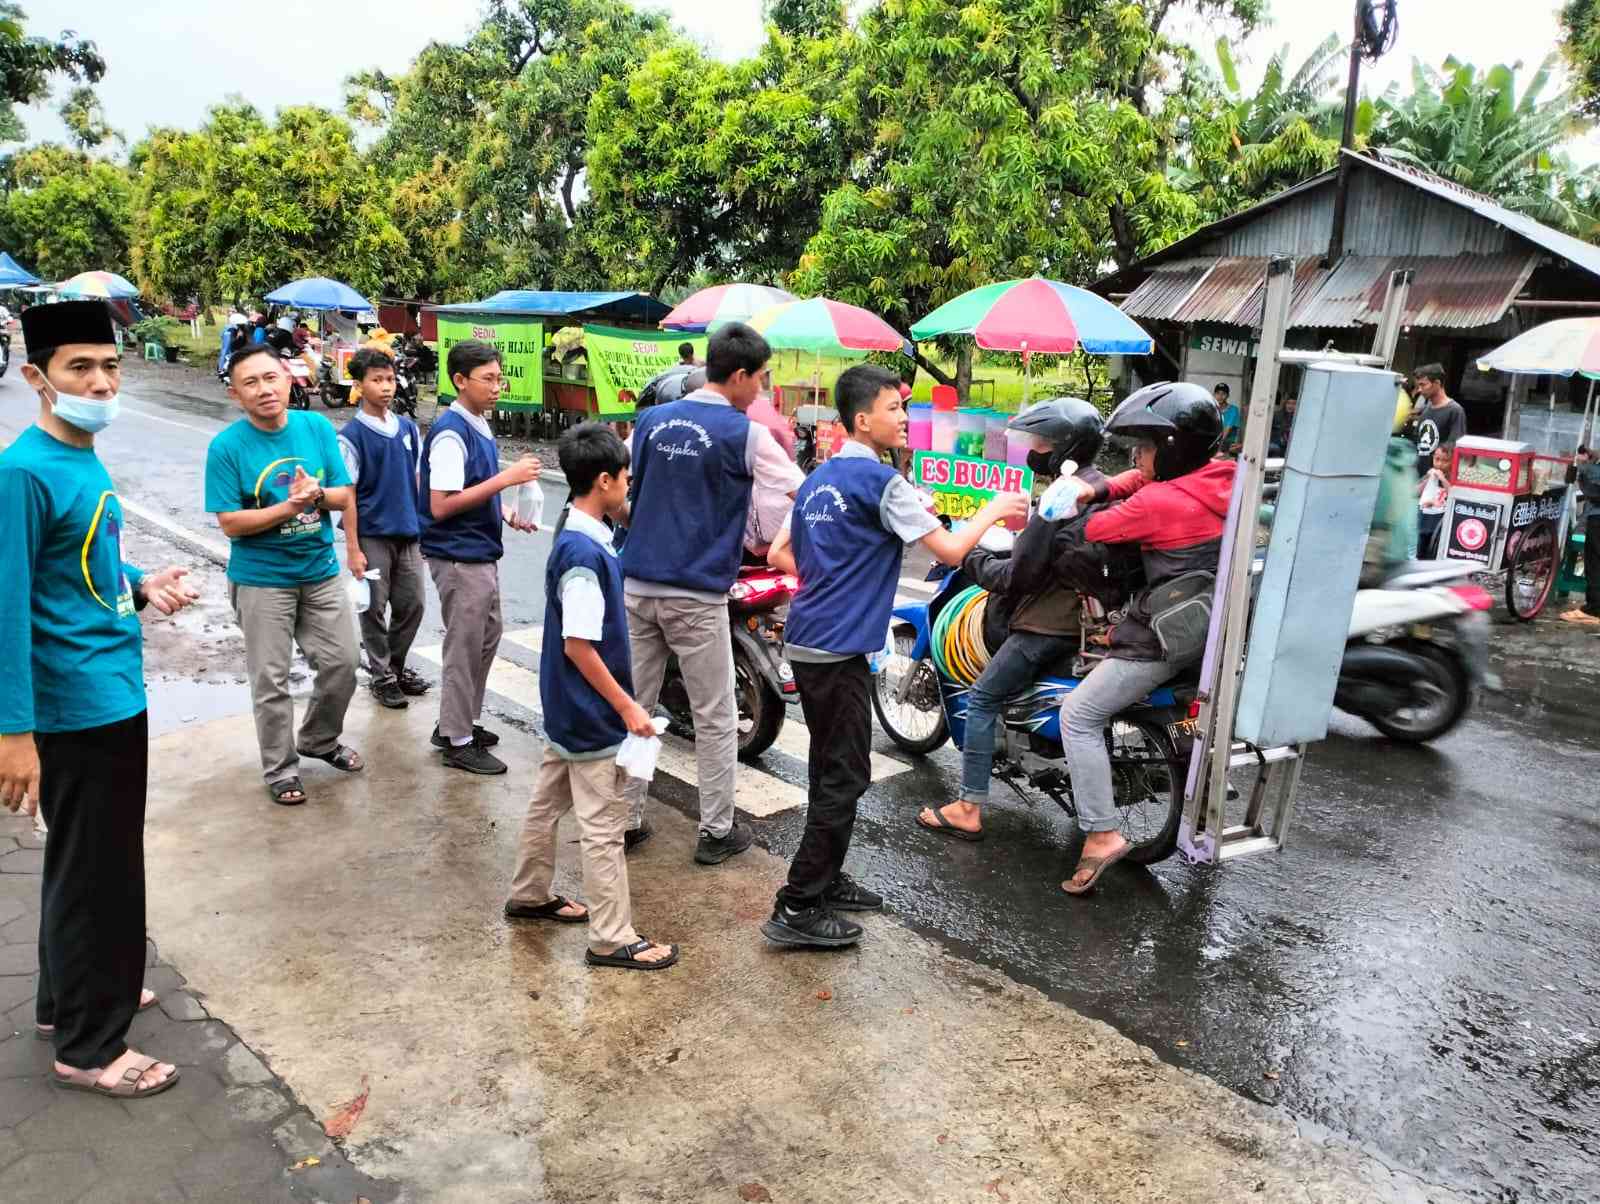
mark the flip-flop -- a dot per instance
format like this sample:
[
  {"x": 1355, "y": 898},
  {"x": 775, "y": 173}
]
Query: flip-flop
[
  {"x": 287, "y": 786},
  {"x": 945, "y": 828},
  {"x": 127, "y": 1088},
  {"x": 342, "y": 757},
  {"x": 1098, "y": 865},
  {"x": 47, "y": 1031},
  {"x": 624, "y": 958},
  {"x": 545, "y": 911}
]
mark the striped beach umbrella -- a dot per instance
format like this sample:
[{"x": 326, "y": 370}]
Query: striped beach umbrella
[
  {"x": 89, "y": 286},
  {"x": 826, "y": 328},
  {"x": 723, "y": 303},
  {"x": 1037, "y": 316}
]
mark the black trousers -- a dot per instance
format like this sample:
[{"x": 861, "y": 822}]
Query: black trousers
[
  {"x": 1591, "y": 560},
  {"x": 836, "y": 699},
  {"x": 91, "y": 919}
]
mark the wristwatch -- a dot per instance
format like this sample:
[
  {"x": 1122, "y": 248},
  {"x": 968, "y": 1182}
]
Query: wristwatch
[{"x": 316, "y": 502}]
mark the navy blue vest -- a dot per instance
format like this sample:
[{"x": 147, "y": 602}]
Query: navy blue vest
[
  {"x": 691, "y": 496},
  {"x": 386, "y": 493},
  {"x": 578, "y": 722},
  {"x": 847, "y": 562},
  {"x": 473, "y": 536}
]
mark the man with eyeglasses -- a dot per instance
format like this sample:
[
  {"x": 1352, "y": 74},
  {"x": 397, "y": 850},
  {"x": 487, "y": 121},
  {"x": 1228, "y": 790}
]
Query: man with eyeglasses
[{"x": 460, "y": 516}]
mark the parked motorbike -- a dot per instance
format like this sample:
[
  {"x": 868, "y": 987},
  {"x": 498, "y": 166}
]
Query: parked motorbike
[
  {"x": 763, "y": 682},
  {"x": 1417, "y": 650},
  {"x": 301, "y": 386},
  {"x": 334, "y": 395},
  {"x": 5, "y": 351},
  {"x": 920, "y": 708}
]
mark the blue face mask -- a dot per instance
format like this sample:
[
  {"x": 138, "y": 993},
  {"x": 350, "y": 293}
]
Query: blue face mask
[{"x": 85, "y": 413}]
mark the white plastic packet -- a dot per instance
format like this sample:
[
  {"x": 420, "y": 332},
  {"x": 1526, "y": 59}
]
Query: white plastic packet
[
  {"x": 361, "y": 590},
  {"x": 638, "y": 754},
  {"x": 877, "y": 660},
  {"x": 524, "y": 504}
]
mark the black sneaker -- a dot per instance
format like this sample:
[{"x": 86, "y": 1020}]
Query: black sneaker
[
  {"x": 846, "y": 894},
  {"x": 412, "y": 684},
  {"x": 634, "y": 837},
  {"x": 482, "y": 737},
  {"x": 713, "y": 850},
  {"x": 474, "y": 760},
  {"x": 815, "y": 926},
  {"x": 387, "y": 692}
]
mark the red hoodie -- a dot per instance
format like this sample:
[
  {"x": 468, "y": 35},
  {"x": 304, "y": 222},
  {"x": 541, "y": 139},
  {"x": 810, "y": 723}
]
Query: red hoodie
[{"x": 1170, "y": 514}]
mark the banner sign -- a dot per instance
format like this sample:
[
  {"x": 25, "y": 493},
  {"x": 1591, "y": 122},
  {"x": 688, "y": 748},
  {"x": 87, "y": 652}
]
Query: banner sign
[
  {"x": 1530, "y": 508},
  {"x": 621, "y": 363},
  {"x": 1473, "y": 527},
  {"x": 961, "y": 484},
  {"x": 521, "y": 344}
]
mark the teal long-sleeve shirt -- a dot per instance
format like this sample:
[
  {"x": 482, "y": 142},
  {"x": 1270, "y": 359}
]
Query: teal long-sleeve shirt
[{"x": 71, "y": 654}]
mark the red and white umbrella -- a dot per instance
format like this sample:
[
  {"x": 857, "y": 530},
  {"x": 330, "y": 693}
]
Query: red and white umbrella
[{"x": 723, "y": 303}]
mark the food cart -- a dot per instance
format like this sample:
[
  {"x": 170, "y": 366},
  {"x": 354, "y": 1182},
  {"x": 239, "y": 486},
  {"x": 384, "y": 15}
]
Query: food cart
[{"x": 1508, "y": 513}]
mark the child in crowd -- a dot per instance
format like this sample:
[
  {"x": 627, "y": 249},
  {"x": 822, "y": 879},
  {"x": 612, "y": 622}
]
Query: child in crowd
[
  {"x": 1433, "y": 495},
  {"x": 845, "y": 539},
  {"x": 585, "y": 688},
  {"x": 382, "y": 452}
]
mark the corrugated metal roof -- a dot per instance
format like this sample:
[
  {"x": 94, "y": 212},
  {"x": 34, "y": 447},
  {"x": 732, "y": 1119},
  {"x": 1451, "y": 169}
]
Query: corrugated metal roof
[
  {"x": 1165, "y": 289},
  {"x": 1452, "y": 292}
]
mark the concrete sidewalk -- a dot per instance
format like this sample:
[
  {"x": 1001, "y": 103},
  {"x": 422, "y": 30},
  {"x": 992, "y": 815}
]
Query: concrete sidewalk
[{"x": 357, "y": 944}]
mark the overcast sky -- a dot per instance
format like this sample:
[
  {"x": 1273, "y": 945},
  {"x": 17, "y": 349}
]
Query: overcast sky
[{"x": 168, "y": 62}]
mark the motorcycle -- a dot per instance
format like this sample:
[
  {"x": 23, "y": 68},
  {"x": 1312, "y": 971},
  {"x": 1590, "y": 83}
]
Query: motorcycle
[
  {"x": 763, "y": 682},
  {"x": 919, "y": 707},
  {"x": 5, "y": 351},
  {"x": 300, "y": 382},
  {"x": 1417, "y": 650},
  {"x": 334, "y": 395}
]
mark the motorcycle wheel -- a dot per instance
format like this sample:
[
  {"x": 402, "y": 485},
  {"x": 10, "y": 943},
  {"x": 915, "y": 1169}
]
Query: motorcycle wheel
[
  {"x": 1147, "y": 779},
  {"x": 917, "y": 724},
  {"x": 761, "y": 711},
  {"x": 1532, "y": 571},
  {"x": 1442, "y": 699}
]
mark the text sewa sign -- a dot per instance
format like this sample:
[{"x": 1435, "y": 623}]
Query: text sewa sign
[{"x": 961, "y": 485}]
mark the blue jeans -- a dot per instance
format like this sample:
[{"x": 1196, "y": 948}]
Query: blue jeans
[{"x": 1014, "y": 667}]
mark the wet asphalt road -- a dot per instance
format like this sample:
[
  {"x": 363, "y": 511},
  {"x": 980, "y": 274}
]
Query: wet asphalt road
[{"x": 1418, "y": 972}]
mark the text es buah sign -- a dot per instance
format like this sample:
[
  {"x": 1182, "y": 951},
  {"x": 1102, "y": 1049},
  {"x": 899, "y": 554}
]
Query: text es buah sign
[{"x": 961, "y": 484}]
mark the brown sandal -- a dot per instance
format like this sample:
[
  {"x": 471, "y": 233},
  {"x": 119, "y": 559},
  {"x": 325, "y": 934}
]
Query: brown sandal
[
  {"x": 1096, "y": 866},
  {"x": 127, "y": 1088}
]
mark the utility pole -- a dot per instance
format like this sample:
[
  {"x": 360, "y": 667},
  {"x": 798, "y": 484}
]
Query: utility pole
[{"x": 1341, "y": 195}]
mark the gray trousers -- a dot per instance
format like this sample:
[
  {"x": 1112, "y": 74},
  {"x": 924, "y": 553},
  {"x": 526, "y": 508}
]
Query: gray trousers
[
  {"x": 397, "y": 590},
  {"x": 698, "y": 633},
  {"x": 469, "y": 597},
  {"x": 318, "y": 617},
  {"x": 1112, "y": 686}
]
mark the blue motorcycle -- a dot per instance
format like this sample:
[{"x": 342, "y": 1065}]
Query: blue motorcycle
[{"x": 920, "y": 707}]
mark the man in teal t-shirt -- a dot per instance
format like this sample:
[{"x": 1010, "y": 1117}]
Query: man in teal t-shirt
[
  {"x": 73, "y": 736},
  {"x": 272, "y": 479}
]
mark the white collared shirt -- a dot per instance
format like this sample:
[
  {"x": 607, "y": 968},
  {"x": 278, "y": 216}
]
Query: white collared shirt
[
  {"x": 583, "y": 602},
  {"x": 447, "y": 457}
]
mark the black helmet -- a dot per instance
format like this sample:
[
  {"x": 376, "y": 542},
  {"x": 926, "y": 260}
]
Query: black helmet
[
  {"x": 1072, "y": 427},
  {"x": 1181, "y": 419}
]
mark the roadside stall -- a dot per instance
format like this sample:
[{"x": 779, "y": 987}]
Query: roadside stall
[
  {"x": 1508, "y": 513},
  {"x": 328, "y": 370},
  {"x": 547, "y": 391}
]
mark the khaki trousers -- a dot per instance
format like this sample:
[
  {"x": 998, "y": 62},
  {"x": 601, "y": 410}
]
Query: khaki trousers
[
  {"x": 469, "y": 598},
  {"x": 592, "y": 791}
]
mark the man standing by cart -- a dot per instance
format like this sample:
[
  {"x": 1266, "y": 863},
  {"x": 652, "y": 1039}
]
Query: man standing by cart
[
  {"x": 1437, "y": 420},
  {"x": 1585, "y": 471}
]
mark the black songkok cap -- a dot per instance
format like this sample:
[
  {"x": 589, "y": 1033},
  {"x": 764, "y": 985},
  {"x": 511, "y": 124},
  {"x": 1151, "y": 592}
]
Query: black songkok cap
[{"x": 64, "y": 322}]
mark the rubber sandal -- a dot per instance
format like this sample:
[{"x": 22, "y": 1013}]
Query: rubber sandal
[
  {"x": 545, "y": 911},
  {"x": 127, "y": 1088},
  {"x": 1098, "y": 866},
  {"x": 288, "y": 786},
  {"x": 343, "y": 758},
  {"x": 945, "y": 828},
  {"x": 47, "y": 1031},
  {"x": 625, "y": 958}
]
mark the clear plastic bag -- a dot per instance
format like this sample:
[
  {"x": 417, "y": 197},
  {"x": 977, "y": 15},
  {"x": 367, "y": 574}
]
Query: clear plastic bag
[
  {"x": 524, "y": 504},
  {"x": 1060, "y": 501},
  {"x": 877, "y": 660},
  {"x": 361, "y": 590}
]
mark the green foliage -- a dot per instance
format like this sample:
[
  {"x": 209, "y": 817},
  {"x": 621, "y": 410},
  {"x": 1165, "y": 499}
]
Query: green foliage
[
  {"x": 85, "y": 119},
  {"x": 28, "y": 62},
  {"x": 243, "y": 205},
  {"x": 1580, "y": 44},
  {"x": 62, "y": 212},
  {"x": 157, "y": 329}
]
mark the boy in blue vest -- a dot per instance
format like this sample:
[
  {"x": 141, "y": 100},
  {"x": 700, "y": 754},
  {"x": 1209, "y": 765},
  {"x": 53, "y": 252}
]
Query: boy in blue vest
[
  {"x": 584, "y": 681},
  {"x": 459, "y": 516},
  {"x": 845, "y": 539},
  {"x": 382, "y": 452},
  {"x": 695, "y": 462}
]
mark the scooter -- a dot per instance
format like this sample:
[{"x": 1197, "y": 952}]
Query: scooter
[
  {"x": 919, "y": 707},
  {"x": 301, "y": 386},
  {"x": 762, "y": 680},
  {"x": 5, "y": 351},
  {"x": 1418, "y": 649}
]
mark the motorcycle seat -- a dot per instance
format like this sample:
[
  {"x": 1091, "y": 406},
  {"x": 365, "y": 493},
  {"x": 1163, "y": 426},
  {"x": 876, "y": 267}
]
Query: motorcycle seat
[{"x": 1413, "y": 574}]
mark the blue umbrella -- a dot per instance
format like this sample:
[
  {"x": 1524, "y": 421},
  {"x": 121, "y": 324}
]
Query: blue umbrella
[
  {"x": 13, "y": 274},
  {"x": 318, "y": 292}
]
